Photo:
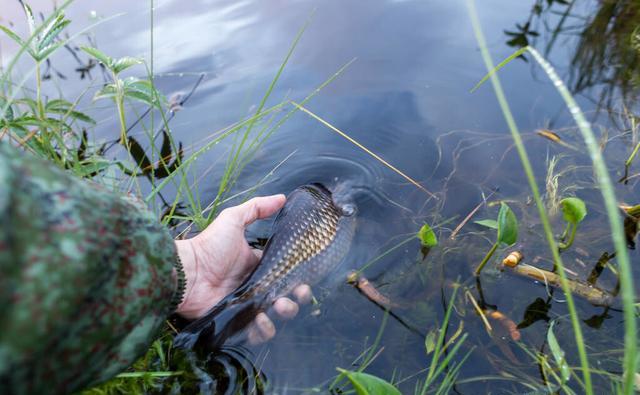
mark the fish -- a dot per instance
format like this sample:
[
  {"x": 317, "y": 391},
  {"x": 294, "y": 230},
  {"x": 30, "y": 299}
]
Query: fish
[{"x": 311, "y": 236}]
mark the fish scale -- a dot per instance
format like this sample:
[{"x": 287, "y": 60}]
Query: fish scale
[{"x": 311, "y": 236}]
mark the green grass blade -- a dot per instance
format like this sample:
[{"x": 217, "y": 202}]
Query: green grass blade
[
  {"x": 617, "y": 229},
  {"x": 232, "y": 166},
  {"x": 526, "y": 163},
  {"x": 207, "y": 147},
  {"x": 498, "y": 67}
]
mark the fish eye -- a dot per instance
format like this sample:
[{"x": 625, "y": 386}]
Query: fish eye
[{"x": 348, "y": 209}]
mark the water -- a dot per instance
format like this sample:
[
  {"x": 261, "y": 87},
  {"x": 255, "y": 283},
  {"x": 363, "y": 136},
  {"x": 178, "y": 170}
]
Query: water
[{"x": 405, "y": 97}]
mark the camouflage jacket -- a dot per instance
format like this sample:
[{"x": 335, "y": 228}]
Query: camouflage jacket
[{"x": 86, "y": 278}]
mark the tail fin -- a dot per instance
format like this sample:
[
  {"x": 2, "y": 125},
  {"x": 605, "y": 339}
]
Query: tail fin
[{"x": 219, "y": 324}]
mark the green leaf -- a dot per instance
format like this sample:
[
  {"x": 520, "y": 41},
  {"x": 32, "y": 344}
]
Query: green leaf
[
  {"x": 42, "y": 55},
  {"x": 8, "y": 114},
  {"x": 498, "y": 67},
  {"x": 124, "y": 63},
  {"x": 573, "y": 210},
  {"x": 142, "y": 90},
  {"x": 430, "y": 341},
  {"x": 12, "y": 35},
  {"x": 93, "y": 167},
  {"x": 31, "y": 21},
  {"x": 108, "y": 91},
  {"x": 51, "y": 32},
  {"x": 558, "y": 355},
  {"x": 427, "y": 236},
  {"x": 63, "y": 107},
  {"x": 98, "y": 55},
  {"x": 366, "y": 384},
  {"x": 489, "y": 223},
  {"x": 507, "y": 225},
  {"x": 80, "y": 116}
]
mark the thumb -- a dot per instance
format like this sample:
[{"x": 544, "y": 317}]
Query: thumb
[{"x": 256, "y": 208}]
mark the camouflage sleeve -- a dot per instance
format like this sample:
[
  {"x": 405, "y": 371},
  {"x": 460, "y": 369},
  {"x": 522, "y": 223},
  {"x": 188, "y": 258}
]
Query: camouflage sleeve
[{"x": 86, "y": 278}]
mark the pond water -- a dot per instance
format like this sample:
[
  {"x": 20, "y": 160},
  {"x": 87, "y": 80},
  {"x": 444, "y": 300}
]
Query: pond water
[{"x": 406, "y": 97}]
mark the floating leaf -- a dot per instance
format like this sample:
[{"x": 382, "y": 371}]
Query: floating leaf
[
  {"x": 573, "y": 210},
  {"x": 507, "y": 225},
  {"x": 366, "y": 384},
  {"x": 427, "y": 236},
  {"x": 558, "y": 355},
  {"x": 489, "y": 223}
]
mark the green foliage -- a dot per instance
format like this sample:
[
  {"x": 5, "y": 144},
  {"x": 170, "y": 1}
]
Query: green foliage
[
  {"x": 131, "y": 88},
  {"x": 42, "y": 43},
  {"x": 558, "y": 355},
  {"x": 488, "y": 223},
  {"x": 115, "y": 65},
  {"x": 573, "y": 210},
  {"x": 366, "y": 384},
  {"x": 507, "y": 227},
  {"x": 427, "y": 236},
  {"x": 430, "y": 341}
]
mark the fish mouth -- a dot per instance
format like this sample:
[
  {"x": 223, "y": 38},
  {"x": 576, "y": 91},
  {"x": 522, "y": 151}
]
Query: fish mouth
[{"x": 340, "y": 200}]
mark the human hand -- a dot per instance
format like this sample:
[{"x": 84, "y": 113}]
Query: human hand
[{"x": 217, "y": 260}]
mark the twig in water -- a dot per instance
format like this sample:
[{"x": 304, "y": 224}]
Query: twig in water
[
  {"x": 468, "y": 217},
  {"x": 593, "y": 295},
  {"x": 480, "y": 311}
]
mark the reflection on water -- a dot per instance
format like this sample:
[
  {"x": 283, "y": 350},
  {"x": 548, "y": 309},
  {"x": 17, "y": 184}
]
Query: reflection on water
[
  {"x": 406, "y": 98},
  {"x": 604, "y": 60}
]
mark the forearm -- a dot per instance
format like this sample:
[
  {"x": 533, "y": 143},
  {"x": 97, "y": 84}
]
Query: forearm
[{"x": 85, "y": 278}]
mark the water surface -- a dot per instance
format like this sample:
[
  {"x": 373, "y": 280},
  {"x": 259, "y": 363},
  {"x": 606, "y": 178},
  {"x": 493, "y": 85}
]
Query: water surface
[{"x": 406, "y": 97}]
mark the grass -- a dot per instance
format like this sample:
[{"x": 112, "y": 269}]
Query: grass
[
  {"x": 607, "y": 189},
  {"x": 53, "y": 129}
]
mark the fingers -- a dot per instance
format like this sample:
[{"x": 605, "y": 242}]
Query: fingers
[
  {"x": 262, "y": 329},
  {"x": 286, "y": 308},
  {"x": 303, "y": 294},
  {"x": 256, "y": 208}
]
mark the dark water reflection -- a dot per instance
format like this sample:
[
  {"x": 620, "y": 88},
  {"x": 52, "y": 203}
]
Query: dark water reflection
[{"x": 406, "y": 97}]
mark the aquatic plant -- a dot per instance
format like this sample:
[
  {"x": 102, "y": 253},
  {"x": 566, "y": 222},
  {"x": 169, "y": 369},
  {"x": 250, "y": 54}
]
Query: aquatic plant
[
  {"x": 573, "y": 211},
  {"x": 507, "y": 227},
  {"x": 607, "y": 190},
  {"x": 427, "y": 236}
]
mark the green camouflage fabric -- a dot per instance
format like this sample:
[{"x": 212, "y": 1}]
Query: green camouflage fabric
[{"x": 86, "y": 278}]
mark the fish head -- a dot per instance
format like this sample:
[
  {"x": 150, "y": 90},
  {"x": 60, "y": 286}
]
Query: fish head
[{"x": 342, "y": 200}]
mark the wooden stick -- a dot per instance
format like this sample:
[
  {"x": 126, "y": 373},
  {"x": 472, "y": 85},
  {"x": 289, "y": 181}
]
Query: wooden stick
[{"x": 595, "y": 296}]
